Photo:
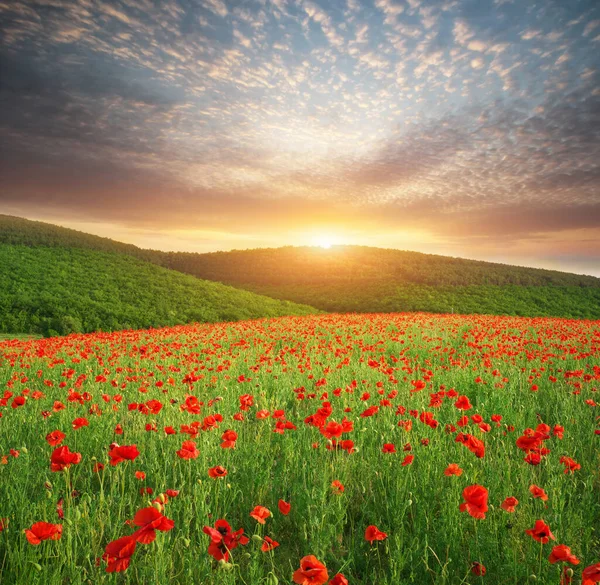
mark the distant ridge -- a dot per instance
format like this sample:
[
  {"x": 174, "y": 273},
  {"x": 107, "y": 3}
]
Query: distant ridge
[
  {"x": 355, "y": 278},
  {"x": 73, "y": 283}
]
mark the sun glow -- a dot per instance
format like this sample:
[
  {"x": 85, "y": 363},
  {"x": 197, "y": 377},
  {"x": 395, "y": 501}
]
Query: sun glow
[{"x": 325, "y": 241}]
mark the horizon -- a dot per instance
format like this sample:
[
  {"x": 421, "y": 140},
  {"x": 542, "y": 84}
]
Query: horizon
[
  {"x": 462, "y": 128},
  {"x": 320, "y": 248}
]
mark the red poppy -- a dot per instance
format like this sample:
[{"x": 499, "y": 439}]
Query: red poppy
[
  {"x": 373, "y": 533},
  {"x": 43, "y": 531},
  {"x": 408, "y": 460},
  {"x": 538, "y": 492},
  {"x": 478, "y": 569},
  {"x": 311, "y": 572},
  {"x": 3, "y": 524},
  {"x": 140, "y": 475},
  {"x": 268, "y": 544},
  {"x": 260, "y": 514},
  {"x": 80, "y": 422},
  {"x": 591, "y": 574},
  {"x": 339, "y": 579},
  {"x": 284, "y": 507},
  {"x": 149, "y": 520},
  {"x": 540, "y": 532},
  {"x": 62, "y": 458},
  {"x": 172, "y": 493},
  {"x": 463, "y": 403},
  {"x": 570, "y": 464},
  {"x": 472, "y": 443},
  {"x": 118, "y": 553},
  {"x": 338, "y": 486},
  {"x": 188, "y": 450},
  {"x": 561, "y": 553},
  {"x": 476, "y": 498},
  {"x": 229, "y": 438},
  {"x": 55, "y": 438},
  {"x": 124, "y": 453},
  {"x": 509, "y": 504},
  {"x": 217, "y": 471},
  {"x": 453, "y": 469},
  {"x": 388, "y": 448},
  {"x": 223, "y": 539}
]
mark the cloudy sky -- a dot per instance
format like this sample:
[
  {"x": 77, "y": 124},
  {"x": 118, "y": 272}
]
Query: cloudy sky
[{"x": 461, "y": 127}]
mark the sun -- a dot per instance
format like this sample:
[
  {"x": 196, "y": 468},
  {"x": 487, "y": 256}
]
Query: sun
[{"x": 324, "y": 242}]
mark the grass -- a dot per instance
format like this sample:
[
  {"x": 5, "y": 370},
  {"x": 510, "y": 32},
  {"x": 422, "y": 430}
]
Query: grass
[{"x": 529, "y": 371}]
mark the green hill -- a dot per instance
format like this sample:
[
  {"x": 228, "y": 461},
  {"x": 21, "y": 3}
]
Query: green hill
[
  {"x": 55, "y": 291},
  {"x": 364, "y": 279},
  {"x": 354, "y": 278}
]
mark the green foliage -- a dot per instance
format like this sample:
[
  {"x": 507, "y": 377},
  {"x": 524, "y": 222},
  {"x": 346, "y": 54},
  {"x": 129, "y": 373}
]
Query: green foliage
[
  {"x": 351, "y": 278},
  {"x": 57, "y": 291}
]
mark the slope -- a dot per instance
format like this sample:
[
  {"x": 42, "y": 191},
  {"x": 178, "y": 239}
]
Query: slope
[{"x": 54, "y": 291}]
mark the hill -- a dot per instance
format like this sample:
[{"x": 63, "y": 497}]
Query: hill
[
  {"x": 355, "y": 278},
  {"x": 364, "y": 279},
  {"x": 56, "y": 291}
]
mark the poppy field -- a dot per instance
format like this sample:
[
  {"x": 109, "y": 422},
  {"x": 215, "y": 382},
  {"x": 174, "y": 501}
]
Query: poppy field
[{"x": 334, "y": 449}]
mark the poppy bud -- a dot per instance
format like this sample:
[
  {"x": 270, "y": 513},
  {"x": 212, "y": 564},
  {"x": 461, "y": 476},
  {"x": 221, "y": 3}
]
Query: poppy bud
[
  {"x": 48, "y": 485},
  {"x": 186, "y": 542},
  {"x": 223, "y": 564},
  {"x": 272, "y": 579},
  {"x": 257, "y": 538},
  {"x": 37, "y": 567},
  {"x": 569, "y": 572},
  {"x": 158, "y": 506},
  {"x": 24, "y": 450},
  {"x": 162, "y": 498},
  {"x": 247, "y": 555}
]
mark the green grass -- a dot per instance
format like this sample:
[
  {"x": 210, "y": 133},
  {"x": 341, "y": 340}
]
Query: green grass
[
  {"x": 51, "y": 291},
  {"x": 494, "y": 361}
]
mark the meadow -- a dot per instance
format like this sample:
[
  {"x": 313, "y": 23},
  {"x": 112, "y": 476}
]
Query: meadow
[{"x": 362, "y": 449}]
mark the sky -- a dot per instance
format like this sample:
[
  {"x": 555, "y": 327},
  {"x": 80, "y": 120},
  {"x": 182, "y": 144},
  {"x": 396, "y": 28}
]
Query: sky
[{"x": 459, "y": 127}]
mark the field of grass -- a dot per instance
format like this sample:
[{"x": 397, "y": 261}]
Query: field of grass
[{"x": 409, "y": 429}]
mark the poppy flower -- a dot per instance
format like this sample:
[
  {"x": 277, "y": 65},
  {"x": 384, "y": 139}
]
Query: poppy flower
[
  {"x": 118, "y": 553},
  {"x": 284, "y": 507},
  {"x": 476, "y": 498},
  {"x": 373, "y": 533},
  {"x": 339, "y": 579},
  {"x": 570, "y": 464},
  {"x": 591, "y": 574},
  {"x": 538, "y": 492},
  {"x": 260, "y": 514},
  {"x": 140, "y": 475},
  {"x": 43, "y": 531},
  {"x": 337, "y": 486},
  {"x": 3, "y": 524},
  {"x": 188, "y": 450},
  {"x": 55, "y": 438},
  {"x": 217, "y": 471},
  {"x": 478, "y": 569},
  {"x": 149, "y": 520},
  {"x": 229, "y": 438},
  {"x": 509, "y": 504},
  {"x": 388, "y": 448},
  {"x": 540, "y": 532},
  {"x": 268, "y": 544},
  {"x": 453, "y": 469},
  {"x": 122, "y": 453},
  {"x": 472, "y": 443},
  {"x": 222, "y": 539},
  {"x": 462, "y": 403},
  {"x": 172, "y": 493},
  {"x": 311, "y": 572},
  {"x": 408, "y": 460},
  {"x": 62, "y": 458},
  {"x": 80, "y": 422},
  {"x": 98, "y": 467},
  {"x": 561, "y": 553}
]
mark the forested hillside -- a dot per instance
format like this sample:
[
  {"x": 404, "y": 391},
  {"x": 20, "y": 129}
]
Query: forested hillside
[
  {"x": 56, "y": 291},
  {"x": 354, "y": 278}
]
